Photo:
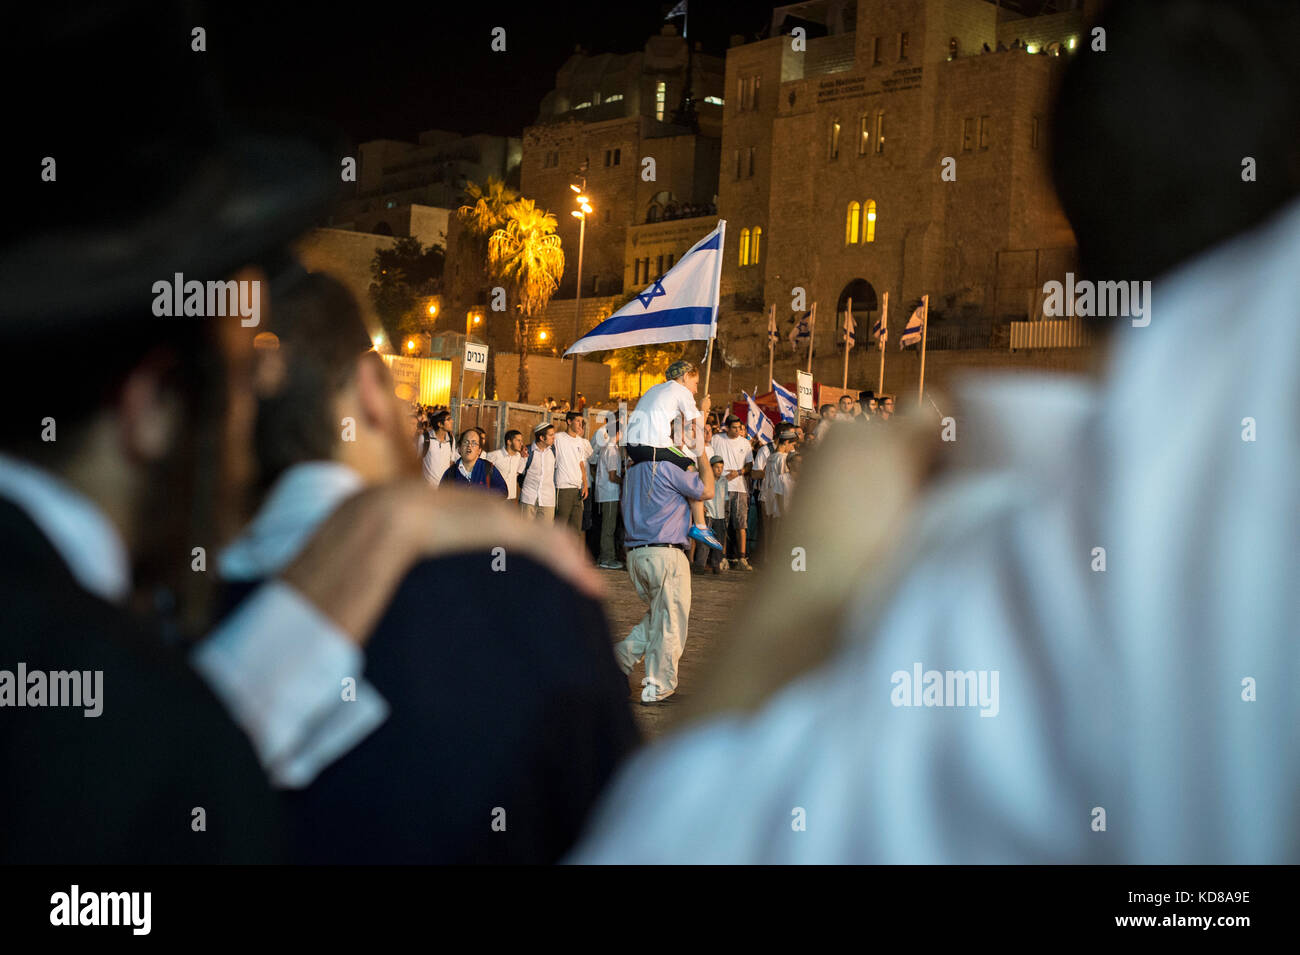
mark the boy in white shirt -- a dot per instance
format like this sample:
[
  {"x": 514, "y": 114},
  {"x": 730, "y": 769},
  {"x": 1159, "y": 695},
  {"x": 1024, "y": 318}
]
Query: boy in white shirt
[
  {"x": 509, "y": 460},
  {"x": 777, "y": 485},
  {"x": 650, "y": 432},
  {"x": 715, "y": 509},
  {"x": 609, "y": 478}
]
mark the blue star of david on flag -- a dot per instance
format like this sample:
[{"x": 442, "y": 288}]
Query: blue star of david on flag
[{"x": 651, "y": 293}]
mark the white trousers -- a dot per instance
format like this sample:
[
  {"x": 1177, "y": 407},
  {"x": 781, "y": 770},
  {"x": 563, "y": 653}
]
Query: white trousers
[{"x": 662, "y": 577}]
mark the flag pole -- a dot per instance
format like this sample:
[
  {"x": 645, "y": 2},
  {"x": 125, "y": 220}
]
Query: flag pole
[
  {"x": 771, "y": 343},
  {"x": 717, "y": 291},
  {"x": 812, "y": 334},
  {"x": 708, "y": 365},
  {"x": 884, "y": 328},
  {"x": 925, "y": 327},
  {"x": 848, "y": 317}
]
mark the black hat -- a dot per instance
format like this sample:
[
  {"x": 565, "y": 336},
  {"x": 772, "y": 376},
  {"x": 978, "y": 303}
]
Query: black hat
[{"x": 132, "y": 172}]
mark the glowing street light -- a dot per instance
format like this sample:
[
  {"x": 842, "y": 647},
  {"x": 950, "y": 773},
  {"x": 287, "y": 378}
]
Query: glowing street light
[
  {"x": 433, "y": 309},
  {"x": 584, "y": 209},
  {"x": 410, "y": 344}
]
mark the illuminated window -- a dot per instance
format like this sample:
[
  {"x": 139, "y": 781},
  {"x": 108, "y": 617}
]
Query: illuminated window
[
  {"x": 851, "y": 223},
  {"x": 744, "y": 246},
  {"x": 835, "y": 139},
  {"x": 880, "y": 133},
  {"x": 661, "y": 96},
  {"x": 758, "y": 244},
  {"x": 864, "y": 134},
  {"x": 614, "y": 98},
  {"x": 871, "y": 221},
  {"x": 967, "y": 134},
  {"x": 711, "y": 100},
  {"x": 585, "y": 104}
]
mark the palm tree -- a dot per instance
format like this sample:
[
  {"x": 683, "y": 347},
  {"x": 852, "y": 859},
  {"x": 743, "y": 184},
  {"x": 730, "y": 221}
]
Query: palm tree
[
  {"x": 483, "y": 214},
  {"x": 525, "y": 254}
]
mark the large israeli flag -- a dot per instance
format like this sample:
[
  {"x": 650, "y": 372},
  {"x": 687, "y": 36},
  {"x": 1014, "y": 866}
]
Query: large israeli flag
[
  {"x": 785, "y": 401},
  {"x": 681, "y": 306}
]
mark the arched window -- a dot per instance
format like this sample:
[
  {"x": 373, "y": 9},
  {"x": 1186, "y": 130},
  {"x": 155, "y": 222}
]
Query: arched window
[
  {"x": 851, "y": 223},
  {"x": 871, "y": 221},
  {"x": 744, "y": 246},
  {"x": 758, "y": 244}
]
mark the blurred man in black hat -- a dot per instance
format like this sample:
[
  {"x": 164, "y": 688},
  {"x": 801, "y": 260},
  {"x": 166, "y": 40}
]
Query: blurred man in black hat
[{"x": 123, "y": 471}]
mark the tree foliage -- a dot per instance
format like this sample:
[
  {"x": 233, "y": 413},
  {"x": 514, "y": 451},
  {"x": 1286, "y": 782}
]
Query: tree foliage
[{"x": 402, "y": 275}]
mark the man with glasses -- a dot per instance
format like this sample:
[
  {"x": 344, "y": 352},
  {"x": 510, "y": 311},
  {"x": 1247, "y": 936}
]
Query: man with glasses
[{"x": 474, "y": 469}]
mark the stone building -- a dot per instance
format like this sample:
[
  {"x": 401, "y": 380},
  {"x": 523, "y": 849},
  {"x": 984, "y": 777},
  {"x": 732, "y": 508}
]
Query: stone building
[
  {"x": 412, "y": 189},
  {"x": 835, "y": 143},
  {"x": 607, "y": 115}
]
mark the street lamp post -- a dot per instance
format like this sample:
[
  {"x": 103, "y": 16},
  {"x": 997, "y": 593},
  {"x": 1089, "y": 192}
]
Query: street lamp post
[{"x": 581, "y": 215}]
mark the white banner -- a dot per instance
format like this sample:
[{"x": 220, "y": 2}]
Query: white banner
[
  {"x": 804, "y": 386},
  {"x": 475, "y": 357}
]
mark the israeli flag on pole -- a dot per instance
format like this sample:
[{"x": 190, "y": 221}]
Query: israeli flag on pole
[
  {"x": 912, "y": 332},
  {"x": 772, "y": 335},
  {"x": 681, "y": 306},
  {"x": 802, "y": 328},
  {"x": 785, "y": 401},
  {"x": 758, "y": 425}
]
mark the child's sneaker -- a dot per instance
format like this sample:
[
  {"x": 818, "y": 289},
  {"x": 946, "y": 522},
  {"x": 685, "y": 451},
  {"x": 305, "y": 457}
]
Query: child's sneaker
[{"x": 704, "y": 536}]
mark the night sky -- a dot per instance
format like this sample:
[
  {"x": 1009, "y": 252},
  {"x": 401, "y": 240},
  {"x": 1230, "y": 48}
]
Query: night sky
[{"x": 391, "y": 71}]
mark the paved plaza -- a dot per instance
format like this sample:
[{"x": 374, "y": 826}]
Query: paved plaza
[{"x": 713, "y": 601}]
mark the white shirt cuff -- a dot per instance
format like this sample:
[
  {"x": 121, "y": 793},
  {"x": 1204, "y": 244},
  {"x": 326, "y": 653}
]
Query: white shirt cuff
[{"x": 278, "y": 665}]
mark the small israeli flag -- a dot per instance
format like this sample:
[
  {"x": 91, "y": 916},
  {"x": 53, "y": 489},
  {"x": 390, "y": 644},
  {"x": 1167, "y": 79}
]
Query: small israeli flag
[
  {"x": 677, "y": 11},
  {"x": 680, "y": 306},
  {"x": 912, "y": 332},
  {"x": 850, "y": 330},
  {"x": 802, "y": 328},
  {"x": 757, "y": 424},
  {"x": 785, "y": 401},
  {"x": 773, "y": 336}
]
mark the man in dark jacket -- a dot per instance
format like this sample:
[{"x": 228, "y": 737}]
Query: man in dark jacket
[{"x": 502, "y": 728}]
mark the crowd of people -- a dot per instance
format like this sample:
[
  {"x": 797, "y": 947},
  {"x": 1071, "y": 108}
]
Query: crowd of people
[{"x": 356, "y": 669}]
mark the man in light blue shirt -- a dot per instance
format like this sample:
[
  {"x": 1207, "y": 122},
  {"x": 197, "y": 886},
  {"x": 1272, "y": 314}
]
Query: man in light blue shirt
[{"x": 656, "y": 519}]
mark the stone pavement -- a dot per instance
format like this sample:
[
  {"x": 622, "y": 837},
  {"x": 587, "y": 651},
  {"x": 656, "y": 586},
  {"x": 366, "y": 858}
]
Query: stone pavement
[{"x": 712, "y": 602}]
